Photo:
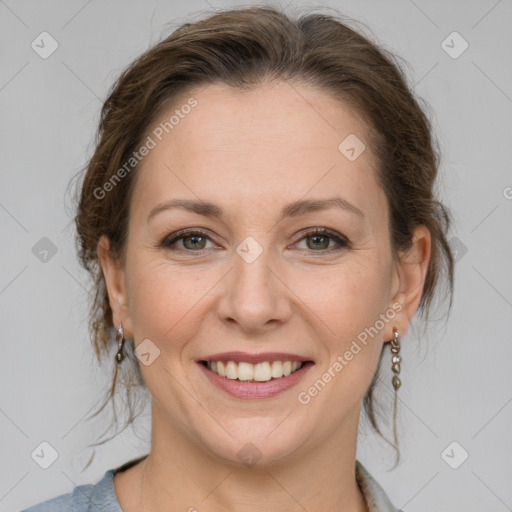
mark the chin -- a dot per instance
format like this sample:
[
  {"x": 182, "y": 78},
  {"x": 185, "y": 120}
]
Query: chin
[{"x": 261, "y": 441}]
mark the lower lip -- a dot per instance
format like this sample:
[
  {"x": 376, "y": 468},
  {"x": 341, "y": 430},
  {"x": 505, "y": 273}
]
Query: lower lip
[{"x": 245, "y": 389}]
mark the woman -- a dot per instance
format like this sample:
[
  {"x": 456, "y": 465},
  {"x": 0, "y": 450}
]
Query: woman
[{"x": 259, "y": 220}]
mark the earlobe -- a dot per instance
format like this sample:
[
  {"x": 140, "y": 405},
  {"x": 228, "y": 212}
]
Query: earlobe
[
  {"x": 113, "y": 274},
  {"x": 411, "y": 273}
]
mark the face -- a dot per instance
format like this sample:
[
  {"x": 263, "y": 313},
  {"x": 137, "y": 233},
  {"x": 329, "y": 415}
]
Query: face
[{"x": 253, "y": 275}]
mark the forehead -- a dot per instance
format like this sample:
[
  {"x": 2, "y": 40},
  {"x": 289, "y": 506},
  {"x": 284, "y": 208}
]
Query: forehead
[{"x": 277, "y": 142}]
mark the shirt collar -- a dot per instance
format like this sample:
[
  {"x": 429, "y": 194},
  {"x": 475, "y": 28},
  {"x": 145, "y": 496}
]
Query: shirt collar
[{"x": 376, "y": 499}]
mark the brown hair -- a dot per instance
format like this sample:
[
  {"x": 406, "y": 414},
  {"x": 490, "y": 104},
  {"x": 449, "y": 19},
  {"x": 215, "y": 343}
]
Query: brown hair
[{"x": 243, "y": 48}]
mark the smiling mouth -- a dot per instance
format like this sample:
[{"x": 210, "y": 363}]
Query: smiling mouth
[{"x": 260, "y": 372}]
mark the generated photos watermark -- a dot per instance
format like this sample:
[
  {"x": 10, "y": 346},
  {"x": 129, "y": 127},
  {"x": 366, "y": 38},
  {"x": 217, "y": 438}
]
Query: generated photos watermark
[
  {"x": 363, "y": 337},
  {"x": 150, "y": 143}
]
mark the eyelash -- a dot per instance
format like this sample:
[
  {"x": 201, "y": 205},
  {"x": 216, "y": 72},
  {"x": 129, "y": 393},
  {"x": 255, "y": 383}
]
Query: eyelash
[{"x": 172, "y": 239}]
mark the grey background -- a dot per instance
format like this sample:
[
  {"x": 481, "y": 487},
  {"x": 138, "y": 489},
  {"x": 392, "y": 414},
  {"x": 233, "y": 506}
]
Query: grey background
[{"x": 456, "y": 383}]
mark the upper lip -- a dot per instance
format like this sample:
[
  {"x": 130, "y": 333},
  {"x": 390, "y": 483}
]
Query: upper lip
[{"x": 238, "y": 357}]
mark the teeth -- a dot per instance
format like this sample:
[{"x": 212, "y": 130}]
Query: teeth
[
  {"x": 260, "y": 372},
  {"x": 277, "y": 369},
  {"x": 245, "y": 371},
  {"x": 231, "y": 370}
]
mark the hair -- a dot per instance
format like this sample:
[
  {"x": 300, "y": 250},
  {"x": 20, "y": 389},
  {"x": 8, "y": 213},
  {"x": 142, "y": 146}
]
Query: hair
[{"x": 244, "y": 48}]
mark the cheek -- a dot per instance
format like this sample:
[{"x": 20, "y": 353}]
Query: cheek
[
  {"x": 348, "y": 302},
  {"x": 165, "y": 300},
  {"x": 345, "y": 296},
  {"x": 354, "y": 299}
]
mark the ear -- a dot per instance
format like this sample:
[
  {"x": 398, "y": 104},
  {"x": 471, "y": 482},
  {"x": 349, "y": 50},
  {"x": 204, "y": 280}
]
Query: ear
[
  {"x": 409, "y": 279},
  {"x": 114, "y": 275}
]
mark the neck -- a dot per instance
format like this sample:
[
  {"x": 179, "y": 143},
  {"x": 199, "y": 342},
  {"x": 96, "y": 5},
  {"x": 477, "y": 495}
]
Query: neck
[{"x": 192, "y": 478}]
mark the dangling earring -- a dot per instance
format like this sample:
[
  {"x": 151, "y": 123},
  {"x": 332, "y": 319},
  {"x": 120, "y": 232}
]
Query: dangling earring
[
  {"x": 396, "y": 359},
  {"x": 120, "y": 343}
]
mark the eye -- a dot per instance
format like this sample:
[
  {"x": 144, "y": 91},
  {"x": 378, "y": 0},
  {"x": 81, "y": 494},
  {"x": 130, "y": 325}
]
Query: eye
[
  {"x": 192, "y": 241},
  {"x": 318, "y": 240}
]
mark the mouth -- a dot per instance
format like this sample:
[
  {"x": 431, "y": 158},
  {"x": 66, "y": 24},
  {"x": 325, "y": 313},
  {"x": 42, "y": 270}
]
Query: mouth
[{"x": 258, "y": 379}]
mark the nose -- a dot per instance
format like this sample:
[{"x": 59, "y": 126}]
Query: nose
[{"x": 255, "y": 297}]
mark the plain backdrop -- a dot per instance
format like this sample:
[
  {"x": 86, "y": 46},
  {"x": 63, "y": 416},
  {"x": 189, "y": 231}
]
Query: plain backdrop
[{"x": 455, "y": 408}]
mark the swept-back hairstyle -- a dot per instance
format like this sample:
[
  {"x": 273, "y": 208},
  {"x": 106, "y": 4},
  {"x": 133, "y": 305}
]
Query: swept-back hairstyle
[{"x": 243, "y": 48}]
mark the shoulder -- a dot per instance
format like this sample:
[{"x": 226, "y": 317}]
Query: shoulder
[
  {"x": 89, "y": 497},
  {"x": 83, "y": 498},
  {"x": 375, "y": 496}
]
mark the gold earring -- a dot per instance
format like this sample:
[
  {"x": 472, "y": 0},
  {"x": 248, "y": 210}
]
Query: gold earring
[
  {"x": 396, "y": 359},
  {"x": 120, "y": 344}
]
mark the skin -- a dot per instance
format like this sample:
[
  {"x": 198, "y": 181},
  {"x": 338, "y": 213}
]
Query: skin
[{"x": 251, "y": 153}]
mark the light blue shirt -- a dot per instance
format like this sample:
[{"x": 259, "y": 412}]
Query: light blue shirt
[{"x": 102, "y": 497}]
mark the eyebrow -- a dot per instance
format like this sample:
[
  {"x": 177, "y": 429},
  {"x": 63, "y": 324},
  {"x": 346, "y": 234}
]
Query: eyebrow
[{"x": 295, "y": 209}]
